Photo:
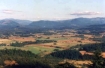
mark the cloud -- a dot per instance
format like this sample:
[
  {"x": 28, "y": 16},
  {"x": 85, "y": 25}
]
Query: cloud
[
  {"x": 85, "y": 13},
  {"x": 6, "y": 11}
]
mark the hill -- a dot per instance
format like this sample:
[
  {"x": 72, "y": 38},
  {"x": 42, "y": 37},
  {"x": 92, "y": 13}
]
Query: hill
[
  {"x": 8, "y": 23},
  {"x": 64, "y": 24}
]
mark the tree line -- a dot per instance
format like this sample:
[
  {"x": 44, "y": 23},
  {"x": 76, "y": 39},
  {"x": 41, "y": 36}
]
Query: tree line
[{"x": 21, "y": 44}]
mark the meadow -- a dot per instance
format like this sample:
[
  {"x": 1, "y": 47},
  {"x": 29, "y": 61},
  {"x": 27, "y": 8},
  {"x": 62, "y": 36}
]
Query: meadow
[{"x": 64, "y": 41}]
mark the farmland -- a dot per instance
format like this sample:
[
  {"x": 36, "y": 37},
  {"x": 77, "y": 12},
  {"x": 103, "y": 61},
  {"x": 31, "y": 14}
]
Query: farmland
[
  {"x": 64, "y": 40},
  {"x": 56, "y": 44}
]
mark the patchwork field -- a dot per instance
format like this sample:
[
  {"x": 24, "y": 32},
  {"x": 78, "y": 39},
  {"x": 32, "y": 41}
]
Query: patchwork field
[{"x": 63, "y": 42}]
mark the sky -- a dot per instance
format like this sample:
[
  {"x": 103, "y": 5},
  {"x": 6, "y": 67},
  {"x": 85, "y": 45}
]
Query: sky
[{"x": 51, "y": 9}]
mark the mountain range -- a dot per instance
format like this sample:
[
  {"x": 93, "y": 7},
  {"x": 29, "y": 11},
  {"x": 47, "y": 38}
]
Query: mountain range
[{"x": 60, "y": 24}]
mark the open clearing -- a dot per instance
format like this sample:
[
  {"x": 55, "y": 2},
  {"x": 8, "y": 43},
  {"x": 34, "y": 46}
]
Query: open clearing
[{"x": 6, "y": 41}]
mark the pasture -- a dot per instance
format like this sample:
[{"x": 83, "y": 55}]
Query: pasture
[
  {"x": 33, "y": 48},
  {"x": 6, "y": 41},
  {"x": 63, "y": 42}
]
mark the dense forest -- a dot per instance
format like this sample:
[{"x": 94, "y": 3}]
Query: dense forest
[
  {"x": 16, "y": 58},
  {"x": 92, "y": 47},
  {"x": 74, "y": 54},
  {"x": 69, "y": 54}
]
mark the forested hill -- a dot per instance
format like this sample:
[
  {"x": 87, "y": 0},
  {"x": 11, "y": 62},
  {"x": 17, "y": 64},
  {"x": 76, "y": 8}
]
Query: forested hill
[
  {"x": 72, "y": 23},
  {"x": 11, "y": 23},
  {"x": 59, "y": 24}
]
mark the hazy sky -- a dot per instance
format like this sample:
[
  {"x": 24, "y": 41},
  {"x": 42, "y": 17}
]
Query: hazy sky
[{"x": 51, "y": 9}]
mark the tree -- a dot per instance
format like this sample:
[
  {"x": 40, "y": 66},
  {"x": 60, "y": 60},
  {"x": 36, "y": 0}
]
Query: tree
[
  {"x": 98, "y": 60},
  {"x": 55, "y": 43}
]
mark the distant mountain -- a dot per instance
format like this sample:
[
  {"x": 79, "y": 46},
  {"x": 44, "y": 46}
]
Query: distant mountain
[
  {"x": 96, "y": 29},
  {"x": 72, "y": 23},
  {"x": 44, "y": 24},
  {"x": 8, "y": 23},
  {"x": 61, "y": 24},
  {"x": 21, "y": 22}
]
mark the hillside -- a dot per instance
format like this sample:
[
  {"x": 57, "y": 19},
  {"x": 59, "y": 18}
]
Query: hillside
[
  {"x": 59, "y": 24},
  {"x": 64, "y": 24},
  {"x": 8, "y": 23}
]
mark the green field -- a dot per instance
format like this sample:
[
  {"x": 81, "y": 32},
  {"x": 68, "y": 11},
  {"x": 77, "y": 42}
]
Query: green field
[
  {"x": 39, "y": 49},
  {"x": 33, "y": 49}
]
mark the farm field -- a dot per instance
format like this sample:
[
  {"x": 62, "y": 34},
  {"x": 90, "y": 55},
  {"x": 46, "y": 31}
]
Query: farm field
[
  {"x": 33, "y": 48},
  {"x": 21, "y": 39},
  {"x": 6, "y": 41},
  {"x": 63, "y": 42}
]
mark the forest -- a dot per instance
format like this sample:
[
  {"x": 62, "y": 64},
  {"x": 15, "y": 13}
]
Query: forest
[{"x": 16, "y": 58}]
